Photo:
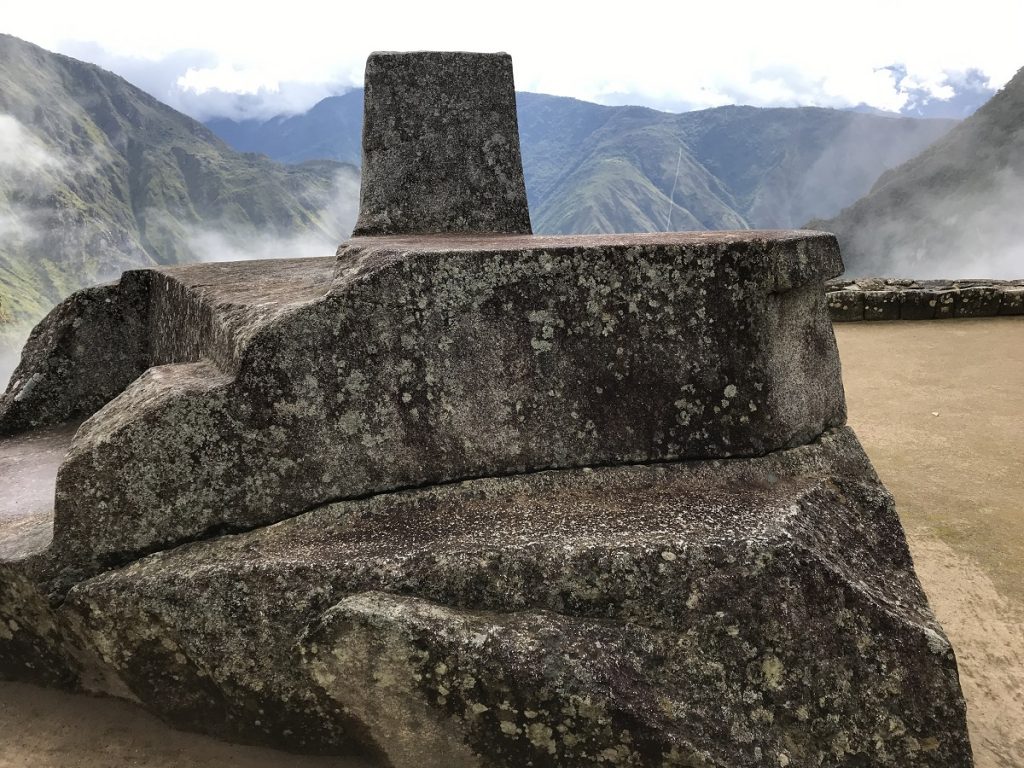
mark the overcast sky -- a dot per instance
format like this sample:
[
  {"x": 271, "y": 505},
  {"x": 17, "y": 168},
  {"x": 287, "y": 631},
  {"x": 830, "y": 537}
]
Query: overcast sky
[{"x": 207, "y": 57}]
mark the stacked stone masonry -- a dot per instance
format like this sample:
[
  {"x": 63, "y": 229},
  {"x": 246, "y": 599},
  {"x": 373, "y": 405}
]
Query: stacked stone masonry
[{"x": 895, "y": 299}]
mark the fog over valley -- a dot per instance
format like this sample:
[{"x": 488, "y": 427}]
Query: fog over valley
[{"x": 98, "y": 176}]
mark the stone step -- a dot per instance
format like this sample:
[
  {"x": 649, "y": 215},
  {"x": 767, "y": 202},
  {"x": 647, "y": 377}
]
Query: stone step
[
  {"x": 434, "y": 359},
  {"x": 677, "y": 604},
  {"x": 99, "y": 340}
]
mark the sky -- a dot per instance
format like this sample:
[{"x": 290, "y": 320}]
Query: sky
[{"x": 211, "y": 58}]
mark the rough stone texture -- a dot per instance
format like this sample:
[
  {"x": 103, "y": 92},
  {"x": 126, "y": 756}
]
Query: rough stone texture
[
  {"x": 878, "y": 298},
  {"x": 441, "y": 146},
  {"x": 845, "y": 305},
  {"x": 81, "y": 355},
  {"x": 976, "y": 301},
  {"x": 881, "y": 305},
  {"x": 917, "y": 305},
  {"x": 698, "y": 613},
  {"x": 434, "y": 359},
  {"x": 475, "y": 499},
  {"x": 1011, "y": 301},
  {"x": 99, "y": 340}
]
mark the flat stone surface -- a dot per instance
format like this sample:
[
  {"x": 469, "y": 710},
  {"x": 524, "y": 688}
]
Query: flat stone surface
[{"x": 441, "y": 145}]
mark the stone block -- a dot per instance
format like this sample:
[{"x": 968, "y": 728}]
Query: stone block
[
  {"x": 441, "y": 146},
  {"x": 706, "y": 610},
  {"x": 945, "y": 303},
  {"x": 845, "y": 305},
  {"x": 976, "y": 301},
  {"x": 918, "y": 304},
  {"x": 434, "y": 359},
  {"x": 881, "y": 305},
  {"x": 80, "y": 356},
  {"x": 1011, "y": 301}
]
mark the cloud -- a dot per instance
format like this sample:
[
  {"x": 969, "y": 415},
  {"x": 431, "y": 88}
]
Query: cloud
[
  {"x": 10, "y": 356},
  {"x": 337, "y": 211},
  {"x": 967, "y": 232},
  {"x": 21, "y": 152},
  {"x": 791, "y": 52}
]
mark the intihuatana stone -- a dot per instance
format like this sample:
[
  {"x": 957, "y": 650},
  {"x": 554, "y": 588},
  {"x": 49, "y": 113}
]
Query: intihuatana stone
[
  {"x": 441, "y": 146},
  {"x": 464, "y": 496}
]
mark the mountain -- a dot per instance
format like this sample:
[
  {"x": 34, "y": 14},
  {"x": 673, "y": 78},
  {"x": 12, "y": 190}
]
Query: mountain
[
  {"x": 331, "y": 129},
  {"x": 952, "y": 211},
  {"x": 724, "y": 168},
  {"x": 96, "y": 177},
  {"x": 593, "y": 168}
]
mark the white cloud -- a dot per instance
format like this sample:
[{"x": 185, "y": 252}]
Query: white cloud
[
  {"x": 227, "y": 79},
  {"x": 20, "y": 150},
  {"x": 696, "y": 54},
  {"x": 336, "y": 210}
]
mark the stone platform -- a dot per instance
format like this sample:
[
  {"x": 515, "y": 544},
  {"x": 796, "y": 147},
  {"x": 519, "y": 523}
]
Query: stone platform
[
  {"x": 647, "y": 612},
  {"x": 468, "y": 497},
  {"x": 423, "y": 360}
]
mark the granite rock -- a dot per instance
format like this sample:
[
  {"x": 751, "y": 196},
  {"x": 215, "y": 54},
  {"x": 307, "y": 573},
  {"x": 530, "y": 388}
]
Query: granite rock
[
  {"x": 1011, "y": 301},
  {"x": 918, "y": 305},
  {"x": 881, "y": 305},
  {"x": 428, "y": 360},
  {"x": 441, "y": 146},
  {"x": 845, "y": 306},
  {"x": 721, "y": 612},
  {"x": 80, "y": 356}
]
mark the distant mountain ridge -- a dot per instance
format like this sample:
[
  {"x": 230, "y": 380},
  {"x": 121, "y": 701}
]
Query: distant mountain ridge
[
  {"x": 952, "y": 211},
  {"x": 592, "y": 168},
  {"x": 97, "y": 176},
  {"x": 331, "y": 129}
]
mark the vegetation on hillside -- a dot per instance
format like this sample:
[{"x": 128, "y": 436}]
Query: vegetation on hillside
[
  {"x": 97, "y": 177},
  {"x": 952, "y": 211},
  {"x": 592, "y": 168}
]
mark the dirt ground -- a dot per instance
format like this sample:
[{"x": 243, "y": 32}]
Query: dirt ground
[{"x": 939, "y": 406}]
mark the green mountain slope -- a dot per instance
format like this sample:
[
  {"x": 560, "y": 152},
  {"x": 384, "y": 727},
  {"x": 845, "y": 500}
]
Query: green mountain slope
[
  {"x": 591, "y": 168},
  {"x": 96, "y": 177},
  {"x": 952, "y": 211},
  {"x": 725, "y": 168}
]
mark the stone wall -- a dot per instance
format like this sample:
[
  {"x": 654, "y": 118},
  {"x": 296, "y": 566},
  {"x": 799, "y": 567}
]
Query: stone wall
[{"x": 878, "y": 298}]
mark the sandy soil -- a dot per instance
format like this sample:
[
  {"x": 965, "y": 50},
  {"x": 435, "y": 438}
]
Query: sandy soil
[
  {"x": 939, "y": 407},
  {"x": 46, "y": 729}
]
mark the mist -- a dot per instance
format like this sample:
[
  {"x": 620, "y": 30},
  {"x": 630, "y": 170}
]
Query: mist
[
  {"x": 973, "y": 229},
  {"x": 336, "y": 212},
  {"x": 335, "y": 215}
]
